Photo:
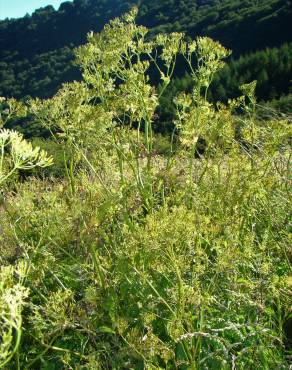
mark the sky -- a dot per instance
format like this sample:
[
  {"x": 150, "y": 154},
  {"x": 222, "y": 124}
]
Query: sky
[{"x": 18, "y": 8}]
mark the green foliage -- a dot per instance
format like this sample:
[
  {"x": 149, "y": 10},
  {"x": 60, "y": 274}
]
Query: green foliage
[
  {"x": 271, "y": 67},
  {"x": 276, "y": 107},
  {"x": 34, "y": 64},
  {"x": 135, "y": 254},
  {"x": 12, "y": 299}
]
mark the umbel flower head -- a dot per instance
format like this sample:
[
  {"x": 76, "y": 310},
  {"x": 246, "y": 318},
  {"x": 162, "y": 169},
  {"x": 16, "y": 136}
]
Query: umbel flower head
[{"x": 23, "y": 155}]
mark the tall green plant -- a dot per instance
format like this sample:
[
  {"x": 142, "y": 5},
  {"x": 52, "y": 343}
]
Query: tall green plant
[{"x": 149, "y": 261}]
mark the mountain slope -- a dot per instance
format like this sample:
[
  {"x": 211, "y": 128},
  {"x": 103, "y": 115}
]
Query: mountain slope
[{"x": 36, "y": 52}]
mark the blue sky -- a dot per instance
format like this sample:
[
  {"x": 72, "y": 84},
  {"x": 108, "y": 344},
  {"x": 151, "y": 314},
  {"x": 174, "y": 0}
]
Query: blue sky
[{"x": 18, "y": 8}]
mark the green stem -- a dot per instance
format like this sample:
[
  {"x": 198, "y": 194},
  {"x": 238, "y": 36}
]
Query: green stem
[
  {"x": 4, "y": 178},
  {"x": 16, "y": 346},
  {"x": 67, "y": 171},
  {"x": 97, "y": 266}
]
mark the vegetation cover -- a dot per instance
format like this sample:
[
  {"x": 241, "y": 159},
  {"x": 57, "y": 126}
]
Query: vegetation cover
[
  {"x": 133, "y": 251},
  {"x": 34, "y": 64}
]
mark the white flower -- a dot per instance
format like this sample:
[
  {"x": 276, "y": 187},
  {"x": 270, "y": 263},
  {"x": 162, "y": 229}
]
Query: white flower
[{"x": 22, "y": 153}]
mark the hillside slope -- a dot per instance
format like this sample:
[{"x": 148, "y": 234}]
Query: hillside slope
[
  {"x": 36, "y": 51},
  {"x": 124, "y": 249}
]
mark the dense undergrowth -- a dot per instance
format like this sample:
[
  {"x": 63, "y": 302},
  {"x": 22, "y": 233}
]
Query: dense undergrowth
[{"x": 137, "y": 252}]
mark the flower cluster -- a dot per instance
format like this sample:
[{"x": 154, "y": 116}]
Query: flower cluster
[{"x": 21, "y": 153}]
